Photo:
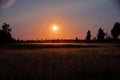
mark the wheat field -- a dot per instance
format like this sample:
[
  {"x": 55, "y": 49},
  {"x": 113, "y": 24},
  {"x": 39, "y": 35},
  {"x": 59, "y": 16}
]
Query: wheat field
[{"x": 98, "y": 63}]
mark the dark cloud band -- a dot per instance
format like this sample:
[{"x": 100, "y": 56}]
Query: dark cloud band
[{"x": 6, "y": 3}]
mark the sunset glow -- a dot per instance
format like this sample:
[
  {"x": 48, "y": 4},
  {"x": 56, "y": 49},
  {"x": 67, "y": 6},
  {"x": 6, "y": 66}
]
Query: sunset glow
[
  {"x": 63, "y": 19},
  {"x": 55, "y": 28}
]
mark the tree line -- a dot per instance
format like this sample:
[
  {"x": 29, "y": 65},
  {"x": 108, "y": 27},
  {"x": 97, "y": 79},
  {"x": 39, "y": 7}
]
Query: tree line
[
  {"x": 6, "y": 36},
  {"x": 101, "y": 35}
]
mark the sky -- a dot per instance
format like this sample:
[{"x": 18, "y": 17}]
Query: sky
[{"x": 33, "y": 19}]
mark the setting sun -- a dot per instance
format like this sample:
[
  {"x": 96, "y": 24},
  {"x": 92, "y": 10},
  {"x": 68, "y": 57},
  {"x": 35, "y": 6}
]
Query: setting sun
[{"x": 55, "y": 28}]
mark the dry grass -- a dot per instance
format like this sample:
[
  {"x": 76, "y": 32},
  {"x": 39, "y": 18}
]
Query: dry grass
[{"x": 60, "y": 64}]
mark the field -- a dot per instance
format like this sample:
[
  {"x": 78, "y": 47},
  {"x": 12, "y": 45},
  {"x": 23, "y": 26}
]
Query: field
[{"x": 60, "y": 62}]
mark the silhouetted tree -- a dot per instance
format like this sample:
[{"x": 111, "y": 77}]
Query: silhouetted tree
[
  {"x": 107, "y": 37},
  {"x": 94, "y": 38},
  {"x": 76, "y": 38},
  {"x": 101, "y": 34},
  {"x": 115, "y": 32},
  {"x": 88, "y": 37},
  {"x": 5, "y": 35}
]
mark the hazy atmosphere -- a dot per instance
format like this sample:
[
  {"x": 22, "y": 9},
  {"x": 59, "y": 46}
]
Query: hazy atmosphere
[
  {"x": 33, "y": 19},
  {"x": 59, "y": 39}
]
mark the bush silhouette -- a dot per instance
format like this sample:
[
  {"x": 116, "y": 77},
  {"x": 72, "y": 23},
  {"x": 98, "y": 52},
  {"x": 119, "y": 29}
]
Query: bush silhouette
[{"x": 115, "y": 32}]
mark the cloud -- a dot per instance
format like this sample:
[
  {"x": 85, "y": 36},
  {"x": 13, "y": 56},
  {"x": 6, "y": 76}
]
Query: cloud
[
  {"x": 6, "y": 3},
  {"x": 117, "y": 3}
]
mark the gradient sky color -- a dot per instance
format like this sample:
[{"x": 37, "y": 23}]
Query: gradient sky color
[{"x": 33, "y": 19}]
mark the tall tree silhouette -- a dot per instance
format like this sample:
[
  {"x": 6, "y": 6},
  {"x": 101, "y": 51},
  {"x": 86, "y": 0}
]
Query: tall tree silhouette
[
  {"x": 115, "y": 32},
  {"x": 88, "y": 37},
  {"x": 101, "y": 34},
  {"x": 5, "y": 35}
]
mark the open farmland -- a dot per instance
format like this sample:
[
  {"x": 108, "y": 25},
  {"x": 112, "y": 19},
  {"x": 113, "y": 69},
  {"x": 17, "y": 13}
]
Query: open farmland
[{"x": 82, "y": 62}]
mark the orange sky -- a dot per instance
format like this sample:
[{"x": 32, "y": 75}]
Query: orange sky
[{"x": 32, "y": 19}]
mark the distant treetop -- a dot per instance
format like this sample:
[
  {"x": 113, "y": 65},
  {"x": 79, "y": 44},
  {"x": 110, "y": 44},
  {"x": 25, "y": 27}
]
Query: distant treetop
[{"x": 115, "y": 32}]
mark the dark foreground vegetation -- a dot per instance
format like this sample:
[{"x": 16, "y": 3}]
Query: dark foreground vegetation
[{"x": 81, "y": 63}]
